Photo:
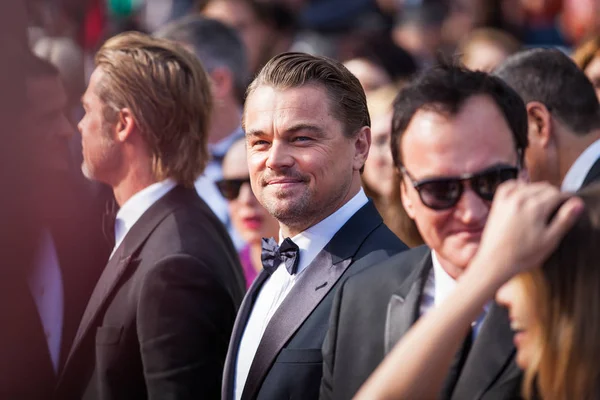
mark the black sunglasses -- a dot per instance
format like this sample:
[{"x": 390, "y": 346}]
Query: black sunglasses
[
  {"x": 230, "y": 188},
  {"x": 445, "y": 192}
]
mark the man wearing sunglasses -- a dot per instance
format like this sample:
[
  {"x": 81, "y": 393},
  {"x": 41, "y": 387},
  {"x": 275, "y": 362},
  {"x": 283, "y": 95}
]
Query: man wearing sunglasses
[
  {"x": 307, "y": 137},
  {"x": 456, "y": 136}
]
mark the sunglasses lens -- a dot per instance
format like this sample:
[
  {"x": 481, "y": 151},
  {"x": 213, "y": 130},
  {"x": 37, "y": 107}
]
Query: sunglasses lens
[
  {"x": 230, "y": 189},
  {"x": 441, "y": 194},
  {"x": 487, "y": 183}
]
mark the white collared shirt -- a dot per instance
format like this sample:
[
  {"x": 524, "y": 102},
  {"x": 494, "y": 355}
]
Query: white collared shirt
[
  {"x": 136, "y": 206},
  {"x": 580, "y": 168},
  {"x": 46, "y": 286},
  {"x": 438, "y": 287},
  {"x": 277, "y": 286}
]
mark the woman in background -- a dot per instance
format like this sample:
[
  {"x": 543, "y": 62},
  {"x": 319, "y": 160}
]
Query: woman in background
[
  {"x": 380, "y": 178},
  {"x": 553, "y": 300},
  {"x": 249, "y": 218}
]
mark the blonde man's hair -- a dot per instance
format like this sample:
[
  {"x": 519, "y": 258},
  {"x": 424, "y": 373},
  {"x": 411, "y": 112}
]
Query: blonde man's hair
[{"x": 168, "y": 93}]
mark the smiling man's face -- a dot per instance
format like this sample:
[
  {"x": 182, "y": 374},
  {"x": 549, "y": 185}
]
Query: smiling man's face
[{"x": 302, "y": 166}]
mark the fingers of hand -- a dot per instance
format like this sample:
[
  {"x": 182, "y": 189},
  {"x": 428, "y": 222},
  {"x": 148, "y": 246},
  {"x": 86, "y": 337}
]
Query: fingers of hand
[{"x": 565, "y": 218}]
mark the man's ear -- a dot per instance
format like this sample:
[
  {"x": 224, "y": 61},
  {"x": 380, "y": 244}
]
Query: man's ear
[
  {"x": 362, "y": 144},
  {"x": 125, "y": 125},
  {"x": 406, "y": 201},
  {"x": 539, "y": 124}
]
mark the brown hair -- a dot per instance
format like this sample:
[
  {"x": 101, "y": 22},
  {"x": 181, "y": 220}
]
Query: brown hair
[
  {"x": 587, "y": 51},
  {"x": 290, "y": 70},
  {"x": 566, "y": 293},
  {"x": 168, "y": 93}
]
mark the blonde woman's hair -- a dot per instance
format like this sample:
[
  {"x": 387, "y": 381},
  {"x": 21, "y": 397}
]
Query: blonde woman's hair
[
  {"x": 587, "y": 51},
  {"x": 566, "y": 294},
  {"x": 168, "y": 93}
]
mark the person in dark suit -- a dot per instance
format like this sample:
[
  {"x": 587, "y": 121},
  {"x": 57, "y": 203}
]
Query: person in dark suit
[
  {"x": 564, "y": 117},
  {"x": 158, "y": 322},
  {"x": 307, "y": 133},
  {"x": 456, "y": 135},
  {"x": 48, "y": 295}
]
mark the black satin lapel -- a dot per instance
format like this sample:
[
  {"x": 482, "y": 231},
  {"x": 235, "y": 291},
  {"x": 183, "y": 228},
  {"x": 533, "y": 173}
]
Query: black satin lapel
[
  {"x": 489, "y": 356},
  {"x": 314, "y": 284},
  {"x": 236, "y": 335},
  {"x": 593, "y": 175}
]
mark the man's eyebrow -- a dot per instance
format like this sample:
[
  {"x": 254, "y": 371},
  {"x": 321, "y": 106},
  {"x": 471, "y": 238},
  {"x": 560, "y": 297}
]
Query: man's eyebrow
[{"x": 306, "y": 127}]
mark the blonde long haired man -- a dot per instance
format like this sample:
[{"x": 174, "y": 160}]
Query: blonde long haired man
[{"x": 158, "y": 322}]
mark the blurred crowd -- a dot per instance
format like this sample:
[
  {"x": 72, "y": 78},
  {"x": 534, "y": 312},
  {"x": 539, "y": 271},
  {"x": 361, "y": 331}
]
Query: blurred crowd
[{"x": 149, "y": 255}]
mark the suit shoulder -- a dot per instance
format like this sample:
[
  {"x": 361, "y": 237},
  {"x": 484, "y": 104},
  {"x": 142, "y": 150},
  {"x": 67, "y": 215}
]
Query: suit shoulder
[{"x": 396, "y": 268}]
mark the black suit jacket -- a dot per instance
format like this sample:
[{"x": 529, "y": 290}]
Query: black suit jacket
[
  {"x": 158, "y": 323},
  {"x": 374, "y": 309},
  {"x": 72, "y": 216},
  {"x": 593, "y": 176},
  {"x": 288, "y": 362}
]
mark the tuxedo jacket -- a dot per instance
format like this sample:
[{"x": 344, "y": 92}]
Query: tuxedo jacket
[
  {"x": 73, "y": 217},
  {"x": 288, "y": 361},
  {"x": 374, "y": 309},
  {"x": 593, "y": 176},
  {"x": 159, "y": 320}
]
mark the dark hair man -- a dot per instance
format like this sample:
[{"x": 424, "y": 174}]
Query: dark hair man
[
  {"x": 563, "y": 117},
  {"x": 223, "y": 56},
  {"x": 308, "y": 136},
  {"x": 159, "y": 319},
  {"x": 456, "y": 135}
]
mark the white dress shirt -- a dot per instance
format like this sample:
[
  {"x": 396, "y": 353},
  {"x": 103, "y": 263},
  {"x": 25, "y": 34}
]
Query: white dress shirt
[
  {"x": 438, "y": 287},
  {"x": 580, "y": 168},
  {"x": 277, "y": 286},
  {"x": 46, "y": 286},
  {"x": 136, "y": 206}
]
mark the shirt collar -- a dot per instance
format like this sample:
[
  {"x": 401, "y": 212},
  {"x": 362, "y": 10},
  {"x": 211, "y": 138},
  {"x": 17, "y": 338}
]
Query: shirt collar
[
  {"x": 580, "y": 168},
  {"x": 314, "y": 239},
  {"x": 137, "y": 205}
]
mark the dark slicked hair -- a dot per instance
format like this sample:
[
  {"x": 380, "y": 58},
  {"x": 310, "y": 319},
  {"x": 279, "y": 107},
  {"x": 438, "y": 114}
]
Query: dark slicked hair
[
  {"x": 347, "y": 98},
  {"x": 553, "y": 79},
  {"x": 444, "y": 89}
]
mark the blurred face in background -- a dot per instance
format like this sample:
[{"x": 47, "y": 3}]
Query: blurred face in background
[
  {"x": 47, "y": 122},
  {"x": 592, "y": 71},
  {"x": 483, "y": 56},
  {"x": 254, "y": 33},
  {"x": 379, "y": 167},
  {"x": 249, "y": 218},
  {"x": 370, "y": 75}
]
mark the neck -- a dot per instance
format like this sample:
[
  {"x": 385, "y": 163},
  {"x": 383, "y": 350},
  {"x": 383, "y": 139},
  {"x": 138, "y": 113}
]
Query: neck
[
  {"x": 226, "y": 118},
  {"x": 572, "y": 148},
  {"x": 135, "y": 179},
  {"x": 305, "y": 222},
  {"x": 451, "y": 269}
]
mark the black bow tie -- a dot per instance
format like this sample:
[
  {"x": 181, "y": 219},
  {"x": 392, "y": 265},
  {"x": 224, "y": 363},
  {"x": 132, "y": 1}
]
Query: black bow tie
[{"x": 273, "y": 255}]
